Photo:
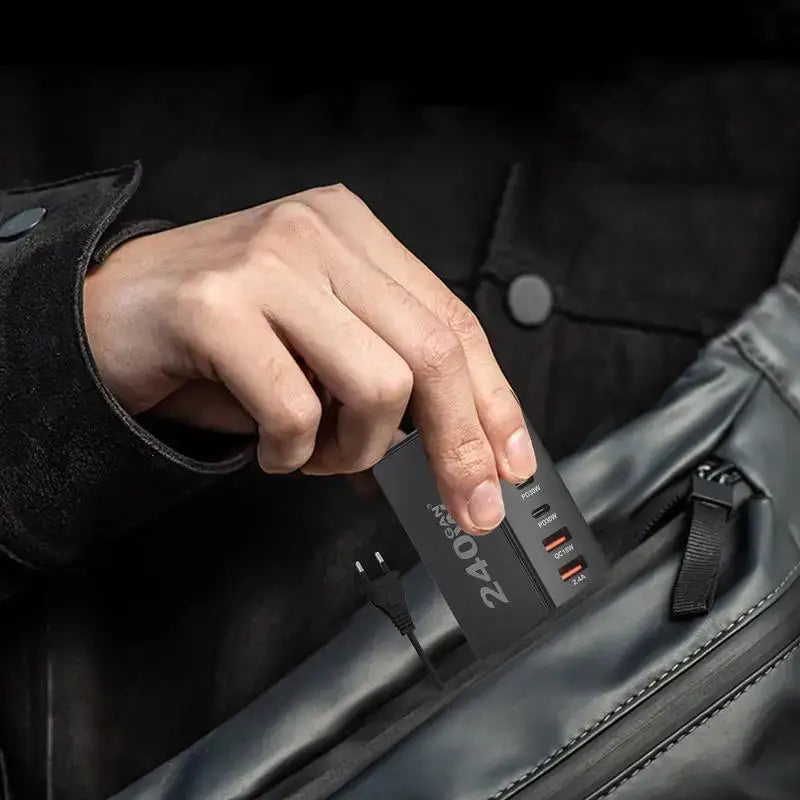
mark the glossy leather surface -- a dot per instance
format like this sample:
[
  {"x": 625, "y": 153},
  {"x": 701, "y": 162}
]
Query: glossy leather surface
[
  {"x": 749, "y": 741},
  {"x": 305, "y": 711},
  {"x": 748, "y": 745},
  {"x": 740, "y": 398}
]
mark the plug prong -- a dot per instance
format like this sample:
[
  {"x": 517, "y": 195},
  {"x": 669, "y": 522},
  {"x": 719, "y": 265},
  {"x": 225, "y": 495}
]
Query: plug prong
[
  {"x": 381, "y": 562},
  {"x": 362, "y": 574},
  {"x": 386, "y": 593}
]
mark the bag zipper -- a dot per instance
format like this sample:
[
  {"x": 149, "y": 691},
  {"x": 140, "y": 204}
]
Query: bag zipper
[
  {"x": 609, "y": 757},
  {"x": 712, "y": 470},
  {"x": 615, "y": 752},
  {"x": 360, "y": 753},
  {"x": 667, "y": 523}
]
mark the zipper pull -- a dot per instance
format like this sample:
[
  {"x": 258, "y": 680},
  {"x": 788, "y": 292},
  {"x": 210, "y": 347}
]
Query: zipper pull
[
  {"x": 705, "y": 469},
  {"x": 710, "y": 504},
  {"x": 713, "y": 493},
  {"x": 730, "y": 475}
]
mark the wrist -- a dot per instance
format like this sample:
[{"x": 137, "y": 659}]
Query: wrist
[{"x": 119, "y": 305}]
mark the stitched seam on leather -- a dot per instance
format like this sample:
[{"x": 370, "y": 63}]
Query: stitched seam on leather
[
  {"x": 587, "y": 731},
  {"x": 751, "y": 352},
  {"x": 103, "y": 173},
  {"x": 702, "y": 721}
]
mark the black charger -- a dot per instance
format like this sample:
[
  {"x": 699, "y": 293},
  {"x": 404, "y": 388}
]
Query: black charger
[{"x": 501, "y": 584}]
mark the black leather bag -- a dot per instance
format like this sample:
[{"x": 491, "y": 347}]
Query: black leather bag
[{"x": 619, "y": 695}]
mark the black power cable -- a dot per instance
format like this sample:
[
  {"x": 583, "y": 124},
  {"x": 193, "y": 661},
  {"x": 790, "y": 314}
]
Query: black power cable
[{"x": 386, "y": 593}]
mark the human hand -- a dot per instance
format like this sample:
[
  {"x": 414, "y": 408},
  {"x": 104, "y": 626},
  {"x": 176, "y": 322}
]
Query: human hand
[{"x": 305, "y": 321}]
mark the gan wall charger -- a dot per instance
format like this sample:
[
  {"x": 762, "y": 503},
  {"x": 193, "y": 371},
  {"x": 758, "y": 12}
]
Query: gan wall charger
[{"x": 499, "y": 585}]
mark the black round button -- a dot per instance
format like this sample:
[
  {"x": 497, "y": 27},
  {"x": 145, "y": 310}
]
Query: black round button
[
  {"x": 21, "y": 222},
  {"x": 530, "y": 300}
]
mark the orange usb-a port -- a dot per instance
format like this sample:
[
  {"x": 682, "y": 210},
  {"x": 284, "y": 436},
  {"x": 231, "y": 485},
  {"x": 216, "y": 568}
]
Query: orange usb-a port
[
  {"x": 554, "y": 540},
  {"x": 575, "y": 567}
]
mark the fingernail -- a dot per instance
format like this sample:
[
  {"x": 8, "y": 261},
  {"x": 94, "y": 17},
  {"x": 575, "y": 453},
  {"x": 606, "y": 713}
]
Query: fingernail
[
  {"x": 486, "y": 506},
  {"x": 519, "y": 455}
]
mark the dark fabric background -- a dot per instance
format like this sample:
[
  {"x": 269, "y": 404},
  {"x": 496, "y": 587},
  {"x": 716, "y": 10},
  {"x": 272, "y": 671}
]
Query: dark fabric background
[{"x": 656, "y": 197}]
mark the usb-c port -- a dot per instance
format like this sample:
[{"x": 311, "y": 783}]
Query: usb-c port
[
  {"x": 575, "y": 567},
  {"x": 554, "y": 540},
  {"x": 540, "y": 511},
  {"x": 526, "y": 483}
]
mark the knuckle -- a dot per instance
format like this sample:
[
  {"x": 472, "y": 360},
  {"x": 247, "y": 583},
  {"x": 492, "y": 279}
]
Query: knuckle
[
  {"x": 398, "y": 384},
  {"x": 293, "y": 218},
  {"x": 502, "y": 404},
  {"x": 460, "y": 318},
  {"x": 390, "y": 389},
  {"x": 467, "y": 457},
  {"x": 336, "y": 191},
  {"x": 259, "y": 257},
  {"x": 298, "y": 419},
  {"x": 338, "y": 198},
  {"x": 441, "y": 352},
  {"x": 204, "y": 295},
  {"x": 502, "y": 413}
]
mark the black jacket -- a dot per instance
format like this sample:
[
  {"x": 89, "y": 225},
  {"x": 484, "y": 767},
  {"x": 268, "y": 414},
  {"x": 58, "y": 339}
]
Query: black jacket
[
  {"x": 158, "y": 588},
  {"x": 76, "y": 466}
]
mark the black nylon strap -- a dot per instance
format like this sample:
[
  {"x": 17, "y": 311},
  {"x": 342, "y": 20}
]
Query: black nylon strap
[{"x": 697, "y": 580}]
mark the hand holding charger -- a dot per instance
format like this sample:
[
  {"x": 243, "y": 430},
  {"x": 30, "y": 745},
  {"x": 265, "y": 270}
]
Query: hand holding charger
[{"x": 501, "y": 584}]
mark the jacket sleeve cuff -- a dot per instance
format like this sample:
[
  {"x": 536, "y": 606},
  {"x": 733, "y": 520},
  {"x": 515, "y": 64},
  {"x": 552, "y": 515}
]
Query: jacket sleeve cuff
[
  {"x": 74, "y": 466},
  {"x": 120, "y": 232}
]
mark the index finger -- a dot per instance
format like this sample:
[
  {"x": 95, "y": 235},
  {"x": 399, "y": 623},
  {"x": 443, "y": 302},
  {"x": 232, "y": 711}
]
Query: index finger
[
  {"x": 442, "y": 401},
  {"x": 496, "y": 404}
]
